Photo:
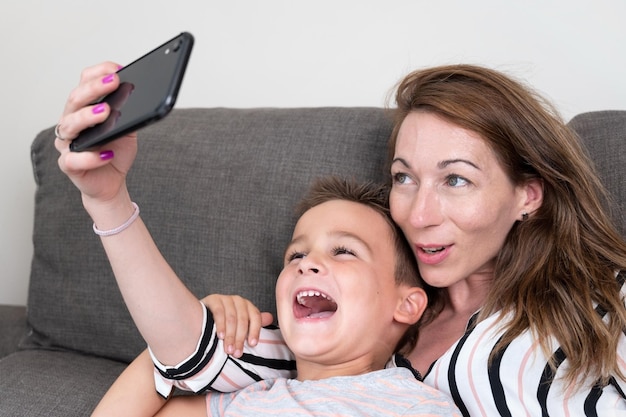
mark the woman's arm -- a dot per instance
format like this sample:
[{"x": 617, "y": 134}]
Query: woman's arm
[
  {"x": 133, "y": 393},
  {"x": 166, "y": 313}
]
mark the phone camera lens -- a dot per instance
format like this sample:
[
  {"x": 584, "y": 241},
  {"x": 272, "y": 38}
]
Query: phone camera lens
[{"x": 177, "y": 45}]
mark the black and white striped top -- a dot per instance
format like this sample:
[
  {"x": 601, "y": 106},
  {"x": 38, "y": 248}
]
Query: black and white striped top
[
  {"x": 210, "y": 368},
  {"x": 519, "y": 381}
]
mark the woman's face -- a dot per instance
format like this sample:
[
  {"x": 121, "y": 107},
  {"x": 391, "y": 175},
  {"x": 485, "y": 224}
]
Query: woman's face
[{"x": 452, "y": 199}]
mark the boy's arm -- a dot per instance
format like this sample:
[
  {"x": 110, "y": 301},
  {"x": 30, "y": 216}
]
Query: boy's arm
[{"x": 133, "y": 392}]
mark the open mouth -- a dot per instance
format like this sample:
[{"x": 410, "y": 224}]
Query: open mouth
[
  {"x": 433, "y": 250},
  {"x": 314, "y": 305}
]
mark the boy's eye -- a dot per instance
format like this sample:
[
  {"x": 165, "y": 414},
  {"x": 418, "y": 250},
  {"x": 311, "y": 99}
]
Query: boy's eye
[
  {"x": 342, "y": 250},
  {"x": 456, "y": 181},
  {"x": 295, "y": 255}
]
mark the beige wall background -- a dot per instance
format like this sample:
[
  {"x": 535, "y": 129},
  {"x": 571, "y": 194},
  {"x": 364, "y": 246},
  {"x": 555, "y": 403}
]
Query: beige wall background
[{"x": 285, "y": 53}]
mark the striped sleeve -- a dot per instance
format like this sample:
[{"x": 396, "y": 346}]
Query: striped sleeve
[{"x": 210, "y": 368}]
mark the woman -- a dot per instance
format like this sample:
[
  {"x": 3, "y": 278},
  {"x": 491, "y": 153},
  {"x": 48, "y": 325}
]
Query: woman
[{"x": 505, "y": 216}]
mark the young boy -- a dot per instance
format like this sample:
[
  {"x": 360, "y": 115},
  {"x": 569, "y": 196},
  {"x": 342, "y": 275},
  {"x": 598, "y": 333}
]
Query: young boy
[{"x": 348, "y": 298}]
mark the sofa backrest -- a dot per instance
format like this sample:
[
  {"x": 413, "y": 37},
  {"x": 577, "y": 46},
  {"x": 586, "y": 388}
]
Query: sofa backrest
[
  {"x": 217, "y": 188},
  {"x": 604, "y": 134}
]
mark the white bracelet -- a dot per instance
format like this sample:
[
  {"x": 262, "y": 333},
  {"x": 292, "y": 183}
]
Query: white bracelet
[{"x": 121, "y": 228}]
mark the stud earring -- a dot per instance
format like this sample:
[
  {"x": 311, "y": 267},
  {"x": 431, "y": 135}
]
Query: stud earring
[{"x": 524, "y": 216}]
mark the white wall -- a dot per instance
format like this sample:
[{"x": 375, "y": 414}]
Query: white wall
[{"x": 286, "y": 53}]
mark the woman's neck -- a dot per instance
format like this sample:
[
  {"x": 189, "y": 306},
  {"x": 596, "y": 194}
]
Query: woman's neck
[
  {"x": 467, "y": 296},
  {"x": 461, "y": 301}
]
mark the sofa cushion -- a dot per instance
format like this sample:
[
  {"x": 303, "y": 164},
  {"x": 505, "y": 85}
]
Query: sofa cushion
[
  {"x": 604, "y": 134},
  {"x": 12, "y": 328},
  {"x": 38, "y": 383},
  {"x": 216, "y": 187}
]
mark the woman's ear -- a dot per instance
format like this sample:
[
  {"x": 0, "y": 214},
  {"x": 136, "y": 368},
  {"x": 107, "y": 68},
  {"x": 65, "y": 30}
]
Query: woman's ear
[
  {"x": 412, "y": 305},
  {"x": 533, "y": 195}
]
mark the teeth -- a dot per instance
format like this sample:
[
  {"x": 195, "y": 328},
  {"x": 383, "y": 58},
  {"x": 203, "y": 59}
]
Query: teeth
[
  {"x": 432, "y": 250},
  {"x": 311, "y": 293}
]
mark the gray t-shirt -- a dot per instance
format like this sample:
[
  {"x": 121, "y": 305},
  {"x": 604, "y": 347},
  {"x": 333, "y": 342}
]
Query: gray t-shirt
[{"x": 388, "y": 392}]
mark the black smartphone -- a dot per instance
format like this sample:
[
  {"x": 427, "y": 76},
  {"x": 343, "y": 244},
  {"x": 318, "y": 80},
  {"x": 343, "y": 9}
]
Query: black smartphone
[{"x": 147, "y": 92}]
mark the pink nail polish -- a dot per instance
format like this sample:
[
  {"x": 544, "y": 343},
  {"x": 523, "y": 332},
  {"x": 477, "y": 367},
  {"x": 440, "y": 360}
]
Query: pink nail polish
[
  {"x": 106, "y": 155},
  {"x": 107, "y": 79},
  {"x": 98, "y": 108}
]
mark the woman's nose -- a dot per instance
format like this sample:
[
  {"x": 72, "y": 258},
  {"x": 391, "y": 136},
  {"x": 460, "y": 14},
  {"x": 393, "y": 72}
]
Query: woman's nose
[{"x": 425, "y": 209}]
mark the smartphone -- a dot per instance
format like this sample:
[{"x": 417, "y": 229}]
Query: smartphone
[{"x": 147, "y": 93}]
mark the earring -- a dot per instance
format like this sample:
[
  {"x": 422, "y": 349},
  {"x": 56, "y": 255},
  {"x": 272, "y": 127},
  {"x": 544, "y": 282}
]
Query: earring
[{"x": 524, "y": 216}]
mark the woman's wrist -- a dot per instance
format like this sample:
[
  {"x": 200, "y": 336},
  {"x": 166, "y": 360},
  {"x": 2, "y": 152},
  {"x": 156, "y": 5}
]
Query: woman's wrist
[
  {"x": 111, "y": 215},
  {"x": 121, "y": 227}
]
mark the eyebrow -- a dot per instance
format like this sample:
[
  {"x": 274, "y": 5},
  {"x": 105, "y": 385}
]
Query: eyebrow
[
  {"x": 336, "y": 234},
  {"x": 447, "y": 162},
  {"x": 441, "y": 164}
]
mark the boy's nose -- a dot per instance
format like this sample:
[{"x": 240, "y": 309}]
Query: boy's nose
[
  {"x": 304, "y": 268},
  {"x": 310, "y": 264}
]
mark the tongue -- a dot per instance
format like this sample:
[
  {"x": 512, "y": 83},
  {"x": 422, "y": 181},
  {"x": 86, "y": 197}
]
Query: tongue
[
  {"x": 319, "y": 307},
  {"x": 321, "y": 314}
]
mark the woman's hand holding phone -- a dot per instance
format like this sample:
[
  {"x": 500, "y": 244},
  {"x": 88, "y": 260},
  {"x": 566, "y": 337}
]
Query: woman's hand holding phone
[
  {"x": 99, "y": 174},
  {"x": 111, "y": 103}
]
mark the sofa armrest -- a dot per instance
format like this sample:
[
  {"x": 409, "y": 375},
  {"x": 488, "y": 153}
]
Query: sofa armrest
[{"x": 13, "y": 327}]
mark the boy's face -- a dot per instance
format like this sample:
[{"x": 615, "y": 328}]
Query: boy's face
[{"x": 336, "y": 295}]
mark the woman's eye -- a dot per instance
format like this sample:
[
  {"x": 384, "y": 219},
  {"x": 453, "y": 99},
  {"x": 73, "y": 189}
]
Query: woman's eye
[
  {"x": 341, "y": 250},
  {"x": 400, "y": 178},
  {"x": 456, "y": 181}
]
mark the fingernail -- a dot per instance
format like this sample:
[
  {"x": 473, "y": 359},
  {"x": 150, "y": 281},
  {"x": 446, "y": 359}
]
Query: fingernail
[
  {"x": 220, "y": 335},
  {"x": 107, "y": 79},
  {"x": 98, "y": 108},
  {"x": 229, "y": 349},
  {"x": 253, "y": 342},
  {"x": 237, "y": 353},
  {"x": 106, "y": 155}
]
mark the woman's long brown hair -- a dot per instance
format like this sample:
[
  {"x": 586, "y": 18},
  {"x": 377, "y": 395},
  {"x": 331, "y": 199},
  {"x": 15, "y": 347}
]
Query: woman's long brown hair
[{"x": 555, "y": 274}]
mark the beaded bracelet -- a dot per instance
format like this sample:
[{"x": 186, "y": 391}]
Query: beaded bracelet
[{"x": 121, "y": 228}]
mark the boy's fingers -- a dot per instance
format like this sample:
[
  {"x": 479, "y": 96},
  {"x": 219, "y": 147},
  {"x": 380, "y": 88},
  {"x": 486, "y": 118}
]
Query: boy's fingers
[
  {"x": 254, "y": 327},
  {"x": 236, "y": 320},
  {"x": 230, "y": 322},
  {"x": 244, "y": 317},
  {"x": 254, "y": 332},
  {"x": 217, "y": 311},
  {"x": 266, "y": 319}
]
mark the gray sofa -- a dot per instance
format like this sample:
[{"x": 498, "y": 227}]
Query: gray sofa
[{"x": 216, "y": 187}]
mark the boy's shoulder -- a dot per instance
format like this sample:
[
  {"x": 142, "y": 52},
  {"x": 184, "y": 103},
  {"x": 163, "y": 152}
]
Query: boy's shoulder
[{"x": 390, "y": 391}]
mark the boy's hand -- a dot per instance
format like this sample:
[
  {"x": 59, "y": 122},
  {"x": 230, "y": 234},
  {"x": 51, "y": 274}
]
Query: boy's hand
[{"x": 236, "y": 319}]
